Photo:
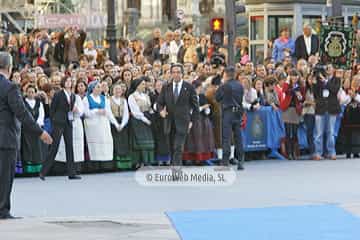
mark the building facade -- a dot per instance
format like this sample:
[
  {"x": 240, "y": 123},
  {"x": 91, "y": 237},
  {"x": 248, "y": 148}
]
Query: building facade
[{"x": 267, "y": 17}]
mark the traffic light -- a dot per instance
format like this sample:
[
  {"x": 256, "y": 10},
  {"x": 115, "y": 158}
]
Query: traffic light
[{"x": 217, "y": 31}]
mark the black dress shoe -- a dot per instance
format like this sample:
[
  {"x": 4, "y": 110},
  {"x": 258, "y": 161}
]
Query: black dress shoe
[
  {"x": 42, "y": 177},
  {"x": 356, "y": 155},
  {"x": 75, "y": 177},
  {"x": 240, "y": 167},
  {"x": 348, "y": 155}
]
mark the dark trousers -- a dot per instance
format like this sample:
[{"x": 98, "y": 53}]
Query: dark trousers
[
  {"x": 231, "y": 124},
  {"x": 7, "y": 172},
  {"x": 291, "y": 131},
  {"x": 177, "y": 142},
  {"x": 309, "y": 121},
  {"x": 65, "y": 130}
]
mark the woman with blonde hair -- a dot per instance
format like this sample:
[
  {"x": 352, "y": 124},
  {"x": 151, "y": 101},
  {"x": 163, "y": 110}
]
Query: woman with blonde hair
[
  {"x": 119, "y": 108},
  {"x": 190, "y": 55}
]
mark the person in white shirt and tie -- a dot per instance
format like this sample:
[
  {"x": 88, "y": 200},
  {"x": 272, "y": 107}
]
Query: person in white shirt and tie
[
  {"x": 178, "y": 105},
  {"x": 306, "y": 44},
  {"x": 62, "y": 112}
]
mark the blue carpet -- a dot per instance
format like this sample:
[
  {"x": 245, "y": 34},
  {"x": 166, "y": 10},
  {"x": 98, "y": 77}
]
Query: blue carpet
[{"x": 323, "y": 222}]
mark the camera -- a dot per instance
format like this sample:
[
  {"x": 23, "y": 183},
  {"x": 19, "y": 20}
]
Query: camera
[
  {"x": 217, "y": 59},
  {"x": 319, "y": 69}
]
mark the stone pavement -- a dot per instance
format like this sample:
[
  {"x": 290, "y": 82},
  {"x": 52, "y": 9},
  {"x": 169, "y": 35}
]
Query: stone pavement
[{"x": 115, "y": 206}]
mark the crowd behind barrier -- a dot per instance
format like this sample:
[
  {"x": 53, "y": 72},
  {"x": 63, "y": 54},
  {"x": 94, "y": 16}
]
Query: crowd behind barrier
[{"x": 289, "y": 107}]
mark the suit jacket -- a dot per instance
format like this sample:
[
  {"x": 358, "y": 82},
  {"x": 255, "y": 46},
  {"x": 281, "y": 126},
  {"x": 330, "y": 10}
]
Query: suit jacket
[
  {"x": 181, "y": 112},
  {"x": 327, "y": 104},
  {"x": 12, "y": 113},
  {"x": 300, "y": 47},
  {"x": 60, "y": 107}
]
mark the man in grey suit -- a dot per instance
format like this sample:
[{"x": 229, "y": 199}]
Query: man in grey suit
[{"x": 12, "y": 114}]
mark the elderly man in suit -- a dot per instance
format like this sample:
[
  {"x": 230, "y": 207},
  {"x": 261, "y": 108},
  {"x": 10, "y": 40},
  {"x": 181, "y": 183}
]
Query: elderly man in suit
[
  {"x": 306, "y": 44},
  {"x": 12, "y": 114},
  {"x": 178, "y": 104}
]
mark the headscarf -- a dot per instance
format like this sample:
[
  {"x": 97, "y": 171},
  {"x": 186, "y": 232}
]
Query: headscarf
[
  {"x": 91, "y": 86},
  {"x": 134, "y": 84}
]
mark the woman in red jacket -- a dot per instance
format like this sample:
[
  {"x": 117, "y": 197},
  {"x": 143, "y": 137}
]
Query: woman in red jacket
[{"x": 291, "y": 105}]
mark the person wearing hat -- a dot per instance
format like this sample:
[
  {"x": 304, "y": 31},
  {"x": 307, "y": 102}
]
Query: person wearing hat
[
  {"x": 98, "y": 116},
  {"x": 230, "y": 95},
  {"x": 140, "y": 122}
]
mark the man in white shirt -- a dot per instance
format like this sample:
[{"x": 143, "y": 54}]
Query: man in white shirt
[
  {"x": 306, "y": 44},
  {"x": 175, "y": 46}
]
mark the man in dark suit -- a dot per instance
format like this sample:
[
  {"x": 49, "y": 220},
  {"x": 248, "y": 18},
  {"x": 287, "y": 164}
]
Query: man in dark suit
[
  {"x": 12, "y": 114},
  {"x": 178, "y": 104},
  {"x": 230, "y": 95},
  {"x": 327, "y": 108},
  {"x": 62, "y": 114},
  {"x": 307, "y": 44}
]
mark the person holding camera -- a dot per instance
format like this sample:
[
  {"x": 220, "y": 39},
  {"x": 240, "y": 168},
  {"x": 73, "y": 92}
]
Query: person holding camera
[
  {"x": 292, "y": 109},
  {"x": 326, "y": 88},
  {"x": 73, "y": 40}
]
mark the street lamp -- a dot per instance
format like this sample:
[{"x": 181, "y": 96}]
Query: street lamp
[{"x": 111, "y": 31}]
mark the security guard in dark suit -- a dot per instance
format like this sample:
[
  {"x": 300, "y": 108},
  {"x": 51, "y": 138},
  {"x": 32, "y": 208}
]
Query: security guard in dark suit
[{"x": 230, "y": 95}]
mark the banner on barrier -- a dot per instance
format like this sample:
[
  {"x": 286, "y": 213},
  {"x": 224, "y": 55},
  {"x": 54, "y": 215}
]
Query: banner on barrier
[{"x": 255, "y": 134}]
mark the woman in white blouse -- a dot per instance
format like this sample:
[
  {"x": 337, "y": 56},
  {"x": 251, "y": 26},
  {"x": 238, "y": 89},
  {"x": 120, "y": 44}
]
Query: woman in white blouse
[
  {"x": 98, "y": 117},
  {"x": 31, "y": 145},
  {"x": 143, "y": 145},
  {"x": 119, "y": 108}
]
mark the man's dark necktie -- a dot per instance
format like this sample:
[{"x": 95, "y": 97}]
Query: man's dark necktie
[{"x": 176, "y": 91}]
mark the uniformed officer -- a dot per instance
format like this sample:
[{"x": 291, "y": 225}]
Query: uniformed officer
[{"x": 230, "y": 95}]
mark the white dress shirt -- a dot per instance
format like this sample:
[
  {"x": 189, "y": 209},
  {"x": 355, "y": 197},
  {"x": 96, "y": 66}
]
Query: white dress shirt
[
  {"x": 308, "y": 44},
  {"x": 134, "y": 107},
  {"x": 68, "y": 96},
  {"x": 125, "y": 114},
  {"x": 174, "y": 49},
  {"x": 41, "y": 117},
  {"x": 179, "y": 86},
  {"x": 94, "y": 112}
]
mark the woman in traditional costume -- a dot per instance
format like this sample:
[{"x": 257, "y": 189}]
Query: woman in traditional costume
[
  {"x": 142, "y": 138},
  {"x": 200, "y": 143},
  {"x": 162, "y": 145},
  {"x": 119, "y": 108},
  {"x": 31, "y": 154},
  {"x": 98, "y": 116}
]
